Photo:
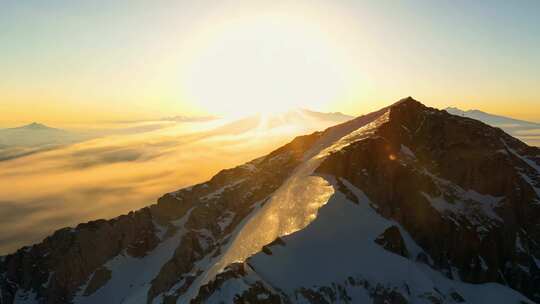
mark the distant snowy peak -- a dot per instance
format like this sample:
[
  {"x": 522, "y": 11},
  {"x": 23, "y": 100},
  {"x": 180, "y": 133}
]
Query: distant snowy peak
[
  {"x": 36, "y": 126},
  {"x": 526, "y": 131},
  {"x": 184, "y": 118},
  {"x": 33, "y": 138},
  {"x": 331, "y": 116},
  {"x": 491, "y": 119},
  {"x": 297, "y": 114},
  {"x": 35, "y": 134}
]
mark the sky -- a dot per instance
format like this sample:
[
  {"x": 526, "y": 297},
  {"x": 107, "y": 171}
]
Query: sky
[{"x": 64, "y": 61}]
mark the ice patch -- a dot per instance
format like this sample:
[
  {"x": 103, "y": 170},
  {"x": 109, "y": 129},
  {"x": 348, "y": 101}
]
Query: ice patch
[
  {"x": 226, "y": 220},
  {"x": 228, "y": 292},
  {"x": 220, "y": 191},
  {"x": 249, "y": 166},
  {"x": 529, "y": 162},
  {"x": 519, "y": 246},
  {"x": 478, "y": 209},
  {"x": 406, "y": 151},
  {"x": 25, "y": 297}
]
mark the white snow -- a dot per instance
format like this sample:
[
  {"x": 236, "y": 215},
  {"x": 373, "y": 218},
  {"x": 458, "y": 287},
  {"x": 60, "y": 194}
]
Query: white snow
[
  {"x": 407, "y": 151},
  {"x": 250, "y": 167},
  {"x": 530, "y": 181},
  {"x": 161, "y": 230},
  {"x": 25, "y": 297},
  {"x": 536, "y": 261},
  {"x": 227, "y": 292},
  {"x": 342, "y": 235},
  {"x": 46, "y": 284},
  {"x": 529, "y": 162},
  {"x": 131, "y": 277},
  {"x": 483, "y": 263},
  {"x": 502, "y": 151},
  {"x": 295, "y": 204},
  {"x": 519, "y": 246},
  {"x": 339, "y": 243},
  {"x": 476, "y": 208},
  {"x": 236, "y": 286},
  {"x": 226, "y": 220},
  {"x": 220, "y": 191}
]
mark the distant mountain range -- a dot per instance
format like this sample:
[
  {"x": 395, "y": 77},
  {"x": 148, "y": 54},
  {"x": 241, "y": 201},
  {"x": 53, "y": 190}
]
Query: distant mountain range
[
  {"x": 408, "y": 204},
  {"x": 36, "y": 137},
  {"x": 527, "y": 131},
  {"x": 494, "y": 120}
]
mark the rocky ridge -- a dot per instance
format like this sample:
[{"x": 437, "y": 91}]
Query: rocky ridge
[{"x": 414, "y": 205}]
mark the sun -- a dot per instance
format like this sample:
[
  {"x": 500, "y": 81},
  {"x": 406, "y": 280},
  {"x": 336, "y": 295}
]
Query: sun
[{"x": 263, "y": 65}]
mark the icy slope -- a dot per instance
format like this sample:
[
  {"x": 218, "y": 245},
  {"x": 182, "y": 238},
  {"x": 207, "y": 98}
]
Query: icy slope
[
  {"x": 336, "y": 259},
  {"x": 295, "y": 203}
]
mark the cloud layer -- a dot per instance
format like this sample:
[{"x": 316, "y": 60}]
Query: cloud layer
[{"x": 109, "y": 176}]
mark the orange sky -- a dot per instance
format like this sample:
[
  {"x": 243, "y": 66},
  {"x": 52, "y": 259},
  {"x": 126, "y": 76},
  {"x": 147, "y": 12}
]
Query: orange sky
[{"x": 68, "y": 62}]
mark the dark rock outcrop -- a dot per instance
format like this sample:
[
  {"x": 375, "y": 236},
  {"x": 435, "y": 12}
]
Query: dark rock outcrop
[
  {"x": 57, "y": 267},
  {"x": 100, "y": 278},
  {"x": 392, "y": 241},
  {"x": 462, "y": 161}
]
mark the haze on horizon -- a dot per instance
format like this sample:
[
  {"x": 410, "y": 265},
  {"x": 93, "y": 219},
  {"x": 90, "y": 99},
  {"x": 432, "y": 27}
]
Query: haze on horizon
[{"x": 80, "y": 62}]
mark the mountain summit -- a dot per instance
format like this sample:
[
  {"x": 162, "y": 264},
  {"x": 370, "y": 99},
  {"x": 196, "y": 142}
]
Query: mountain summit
[
  {"x": 408, "y": 204},
  {"x": 35, "y": 126},
  {"x": 32, "y": 138}
]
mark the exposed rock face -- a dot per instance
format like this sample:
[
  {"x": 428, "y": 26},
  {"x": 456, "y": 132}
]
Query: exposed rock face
[
  {"x": 57, "y": 267},
  {"x": 392, "y": 241},
  {"x": 424, "y": 205},
  {"x": 457, "y": 163}
]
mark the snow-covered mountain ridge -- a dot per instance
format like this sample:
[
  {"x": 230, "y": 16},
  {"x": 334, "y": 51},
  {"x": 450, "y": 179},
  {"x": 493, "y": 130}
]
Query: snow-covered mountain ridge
[{"x": 408, "y": 204}]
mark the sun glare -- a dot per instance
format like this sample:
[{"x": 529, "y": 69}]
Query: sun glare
[{"x": 263, "y": 65}]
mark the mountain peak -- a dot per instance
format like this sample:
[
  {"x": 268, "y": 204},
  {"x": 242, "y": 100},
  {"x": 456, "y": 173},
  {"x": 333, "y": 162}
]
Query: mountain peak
[
  {"x": 453, "y": 109},
  {"x": 406, "y": 100},
  {"x": 384, "y": 189},
  {"x": 407, "y": 104},
  {"x": 35, "y": 126}
]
